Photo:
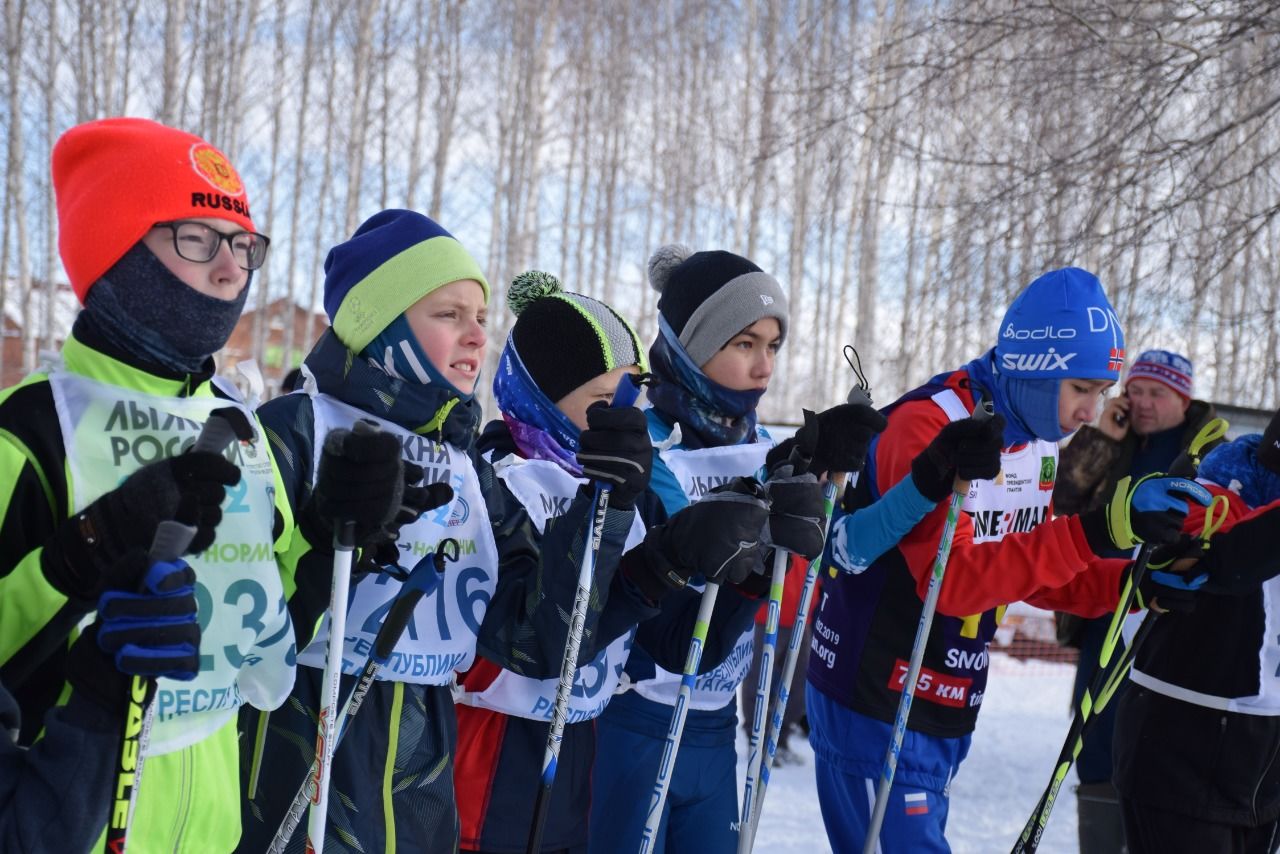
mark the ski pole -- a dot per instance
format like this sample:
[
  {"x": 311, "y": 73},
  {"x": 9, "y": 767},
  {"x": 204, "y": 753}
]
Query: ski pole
[
  {"x": 667, "y": 764},
  {"x": 799, "y": 464},
  {"x": 625, "y": 395},
  {"x": 830, "y": 494},
  {"x": 1092, "y": 701},
  {"x": 982, "y": 410},
  {"x": 171, "y": 539},
  {"x": 767, "y": 650},
  {"x": 421, "y": 581},
  {"x": 326, "y": 728}
]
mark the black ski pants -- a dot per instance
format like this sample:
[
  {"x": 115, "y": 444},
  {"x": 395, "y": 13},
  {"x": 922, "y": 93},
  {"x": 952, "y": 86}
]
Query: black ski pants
[{"x": 1152, "y": 830}]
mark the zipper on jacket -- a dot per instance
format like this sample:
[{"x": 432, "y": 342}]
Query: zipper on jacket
[{"x": 1253, "y": 801}]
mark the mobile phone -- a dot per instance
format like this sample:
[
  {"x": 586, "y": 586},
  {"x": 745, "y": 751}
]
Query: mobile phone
[{"x": 1121, "y": 418}]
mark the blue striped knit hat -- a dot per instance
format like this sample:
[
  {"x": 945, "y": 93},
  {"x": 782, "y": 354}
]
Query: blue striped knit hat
[{"x": 395, "y": 258}]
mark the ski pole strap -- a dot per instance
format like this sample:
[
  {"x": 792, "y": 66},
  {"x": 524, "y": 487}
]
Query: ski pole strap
[{"x": 423, "y": 579}]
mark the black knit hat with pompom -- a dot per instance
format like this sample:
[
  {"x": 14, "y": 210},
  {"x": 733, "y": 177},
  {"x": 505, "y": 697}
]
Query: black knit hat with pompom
[{"x": 566, "y": 339}]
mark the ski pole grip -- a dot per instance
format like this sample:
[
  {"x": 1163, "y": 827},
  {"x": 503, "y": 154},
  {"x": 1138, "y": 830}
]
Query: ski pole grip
[
  {"x": 224, "y": 426},
  {"x": 983, "y": 410},
  {"x": 858, "y": 396},
  {"x": 627, "y": 391}
]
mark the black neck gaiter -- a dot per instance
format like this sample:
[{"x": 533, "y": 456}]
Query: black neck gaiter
[{"x": 142, "y": 308}]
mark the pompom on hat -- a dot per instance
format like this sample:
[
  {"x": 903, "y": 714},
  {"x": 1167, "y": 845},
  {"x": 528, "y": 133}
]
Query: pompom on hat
[
  {"x": 566, "y": 339},
  {"x": 116, "y": 178}
]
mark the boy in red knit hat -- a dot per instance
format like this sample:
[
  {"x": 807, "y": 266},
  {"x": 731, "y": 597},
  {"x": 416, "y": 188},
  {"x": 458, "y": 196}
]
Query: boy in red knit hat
[{"x": 157, "y": 239}]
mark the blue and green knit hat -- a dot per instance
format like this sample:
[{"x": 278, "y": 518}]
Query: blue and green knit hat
[
  {"x": 566, "y": 339},
  {"x": 395, "y": 258}
]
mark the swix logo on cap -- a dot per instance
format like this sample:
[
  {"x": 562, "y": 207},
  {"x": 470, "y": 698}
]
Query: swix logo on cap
[
  {"x": 213, "y": 166},
  {"x": 1048, "y": 361}
]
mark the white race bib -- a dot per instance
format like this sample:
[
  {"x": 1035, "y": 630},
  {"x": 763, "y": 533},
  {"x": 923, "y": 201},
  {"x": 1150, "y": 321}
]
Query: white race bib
[
  {"x": 698, "y": 472},
  {"x": 246, "y": 645},
  {"x": 441, "y": 636},
  {"x": 546, "y": 491}
]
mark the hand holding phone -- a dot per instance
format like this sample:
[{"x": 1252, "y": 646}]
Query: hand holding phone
[{"x": 1114, "y": 421}]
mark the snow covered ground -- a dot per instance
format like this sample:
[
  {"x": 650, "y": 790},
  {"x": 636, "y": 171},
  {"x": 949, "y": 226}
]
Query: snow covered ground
[{"x": 1020, "y": 731}]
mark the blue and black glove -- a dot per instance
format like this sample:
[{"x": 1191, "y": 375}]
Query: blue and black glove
[
  {"x": 153, "y": 632},
  {"x": 1149, "y": 511},
  {"x": 1162, "y": 587}
]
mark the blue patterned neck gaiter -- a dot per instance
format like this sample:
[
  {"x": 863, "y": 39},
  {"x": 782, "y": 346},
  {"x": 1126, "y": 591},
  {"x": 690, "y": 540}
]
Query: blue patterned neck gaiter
[
  {"x": 538, "y": 427},
  {"x": 396, "y": 351},
  {"x": 709, "y": 414}
]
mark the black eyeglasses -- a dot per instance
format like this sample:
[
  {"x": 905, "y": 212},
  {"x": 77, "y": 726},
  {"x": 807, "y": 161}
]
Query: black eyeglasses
[{"x": 197, "y": 242}]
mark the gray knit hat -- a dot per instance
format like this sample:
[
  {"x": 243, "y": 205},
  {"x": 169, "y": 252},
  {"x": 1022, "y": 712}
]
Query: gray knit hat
[{"x": 709, "y": 297}]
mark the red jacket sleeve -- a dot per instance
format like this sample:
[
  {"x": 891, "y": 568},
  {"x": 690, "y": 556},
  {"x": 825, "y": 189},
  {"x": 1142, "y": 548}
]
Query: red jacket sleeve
[
  {"x": 1050, "y": 566},
  {"x": 1237, "y": 510}
]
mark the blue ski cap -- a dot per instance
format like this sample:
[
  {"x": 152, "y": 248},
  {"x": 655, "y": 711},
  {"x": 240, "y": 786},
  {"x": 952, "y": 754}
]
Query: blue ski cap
[{"x": 1061, "y": 327}]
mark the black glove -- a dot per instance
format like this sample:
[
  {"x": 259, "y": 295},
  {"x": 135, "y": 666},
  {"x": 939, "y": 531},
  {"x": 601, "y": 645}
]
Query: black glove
[
  {"x": 1150, "y": 511},
  {"x": 1162, "y": 590},
  {"x": 717, "y": 537},
  {"x": 81, "y": 558},
  {"x": 615, "y": 451},
  {"x": 1240, "y": 559},
  {"x": 379, "y": 549},
  {"x": 361, "y": 480},
  {"x": 150, "y": 633},
  {"x": 968, "y": 449},
  {"x": 760, "y": 581},
  {"x": 797, "y": 515},
  {"x": 842, "y": 436}
]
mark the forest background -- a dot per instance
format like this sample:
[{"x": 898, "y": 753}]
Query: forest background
[{"x": 902, "y": 168}]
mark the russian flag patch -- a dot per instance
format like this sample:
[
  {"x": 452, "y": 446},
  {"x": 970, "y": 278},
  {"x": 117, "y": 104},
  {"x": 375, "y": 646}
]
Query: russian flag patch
[{"x": 917, "y": 803}]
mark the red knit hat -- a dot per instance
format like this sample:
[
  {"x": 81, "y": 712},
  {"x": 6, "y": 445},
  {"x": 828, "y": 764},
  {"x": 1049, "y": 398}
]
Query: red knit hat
[{"x": 116, "y": 178}]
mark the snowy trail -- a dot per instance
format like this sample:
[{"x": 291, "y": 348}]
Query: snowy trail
[{"x": 1020, "y": 731}]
